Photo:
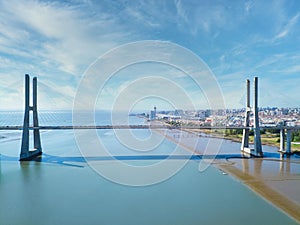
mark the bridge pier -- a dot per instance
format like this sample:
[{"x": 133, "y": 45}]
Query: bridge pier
[
  {"x": 257, "y": 150},
  {"x": 282, "y": 141},
  {"x": 27, "y": 154},
  {"x": 285, "y": 141},
  {"x": 288, "y": 142}
]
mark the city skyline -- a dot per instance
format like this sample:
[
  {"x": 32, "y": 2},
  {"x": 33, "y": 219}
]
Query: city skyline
[{"x": 57, "y": 41}]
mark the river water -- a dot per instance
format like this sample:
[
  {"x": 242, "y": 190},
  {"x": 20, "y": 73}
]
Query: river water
[{"x": 63, "y": 189}]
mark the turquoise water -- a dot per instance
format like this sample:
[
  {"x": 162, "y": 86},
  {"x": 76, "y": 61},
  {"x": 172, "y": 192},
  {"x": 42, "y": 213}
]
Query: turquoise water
[{"x": 63, "y": 189}]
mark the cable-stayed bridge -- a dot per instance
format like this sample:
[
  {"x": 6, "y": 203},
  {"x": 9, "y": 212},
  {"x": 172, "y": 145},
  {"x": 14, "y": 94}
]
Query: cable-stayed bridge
[{"x": 32, "y": 124}]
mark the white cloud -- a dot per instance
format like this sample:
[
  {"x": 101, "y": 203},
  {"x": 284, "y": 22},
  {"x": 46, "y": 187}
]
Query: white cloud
[
  {"x": 248, "y": 6},
  {"x": 58, "y": 40},
  {"x": 271, "y": 60},
  {"x": 55, "y": 41},
  {"x": 64, "y": 34},
  {"x": 286, "y": 29}
]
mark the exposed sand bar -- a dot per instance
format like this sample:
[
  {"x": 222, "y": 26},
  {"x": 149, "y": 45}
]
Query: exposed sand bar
[{"x": 255, "y": 183}]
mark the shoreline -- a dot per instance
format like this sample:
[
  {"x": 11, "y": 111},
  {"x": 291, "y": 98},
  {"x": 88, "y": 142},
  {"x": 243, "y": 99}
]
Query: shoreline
[
  {"x": 238, "y": 139},
  {"x": 275, "y": 198},
  {"x": 257, "y": 185}
]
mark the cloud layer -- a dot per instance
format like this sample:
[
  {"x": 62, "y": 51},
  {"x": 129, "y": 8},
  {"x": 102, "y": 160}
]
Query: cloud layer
[{"x": 58, "y": 40}]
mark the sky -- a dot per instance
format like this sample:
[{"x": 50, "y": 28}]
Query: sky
[{"x": 58, "y": 41}]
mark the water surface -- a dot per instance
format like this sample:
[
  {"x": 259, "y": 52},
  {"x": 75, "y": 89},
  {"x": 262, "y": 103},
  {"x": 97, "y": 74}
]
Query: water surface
[{"x": 63, "y": 189}]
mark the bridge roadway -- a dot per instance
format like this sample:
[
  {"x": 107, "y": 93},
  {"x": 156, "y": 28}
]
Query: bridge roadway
[{"x": 86, "y": 127}]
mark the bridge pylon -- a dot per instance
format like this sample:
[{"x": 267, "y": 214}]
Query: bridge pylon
[
  {"x": 285, "y": 141},
  {"x": 257, "y": 150},
  {"x": 27, "y": 154}
]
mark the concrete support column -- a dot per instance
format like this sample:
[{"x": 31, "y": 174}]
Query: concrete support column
[
  {"x": 27, "y": 154},
  {"x": 245, "y": 140},
  {"x": 25, "y": 134},
  {"x": 282, "y": 140},
  {"x": 257, "y": 139},
  {"x": 288, "y": 141},
  {"x": 36, "y": 132}
]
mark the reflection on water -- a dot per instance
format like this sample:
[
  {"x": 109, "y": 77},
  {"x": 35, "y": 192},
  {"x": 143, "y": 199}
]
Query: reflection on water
[
  {"x": 42, "y": 193},
  {"x": 280, "y": 174},
  {"x": 60, "y": 188},
  {"x": 289, "y": 166}
]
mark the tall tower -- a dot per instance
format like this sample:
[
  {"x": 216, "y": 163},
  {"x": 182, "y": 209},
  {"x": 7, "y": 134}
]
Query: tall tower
[
  {"x": 245, "y": 140},
  {"x": 257, "y": 151},
  {"x": 257, "y": 139},
  {"x": 27, "y": 154}
]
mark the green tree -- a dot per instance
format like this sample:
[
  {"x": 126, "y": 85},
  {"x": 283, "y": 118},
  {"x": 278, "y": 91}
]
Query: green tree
[{"x": 296, "y": 136}]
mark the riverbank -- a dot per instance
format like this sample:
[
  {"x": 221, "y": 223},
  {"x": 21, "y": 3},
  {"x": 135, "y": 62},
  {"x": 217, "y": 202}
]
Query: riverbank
[
  {"x": 266, "y": 139},
  {"x": 259, "y": 174}
]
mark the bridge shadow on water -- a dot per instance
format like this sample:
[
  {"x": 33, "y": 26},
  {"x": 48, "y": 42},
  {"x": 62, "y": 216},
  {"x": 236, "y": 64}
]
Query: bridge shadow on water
[
  {"x": 72, "y": 160},
  {"x": 67, "y": 160}
]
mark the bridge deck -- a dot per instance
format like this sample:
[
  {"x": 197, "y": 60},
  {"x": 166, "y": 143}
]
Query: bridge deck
[{"x": 138, "y": 127}]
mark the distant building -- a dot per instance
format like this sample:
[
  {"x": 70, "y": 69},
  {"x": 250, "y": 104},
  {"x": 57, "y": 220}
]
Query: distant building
[
  {"x": 285, "y": 111},
  {"x": 201, "y": 115},
  {"x": 208, "y": 121},
  {"x": 178, "y": 112},
  {"x": 152, "y": 115},
  {"x": 208, "y": 113}
]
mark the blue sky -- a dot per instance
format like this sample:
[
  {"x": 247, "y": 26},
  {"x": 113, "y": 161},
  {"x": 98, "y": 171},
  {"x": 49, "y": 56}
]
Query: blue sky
[{"x": 58, "y": 40}]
